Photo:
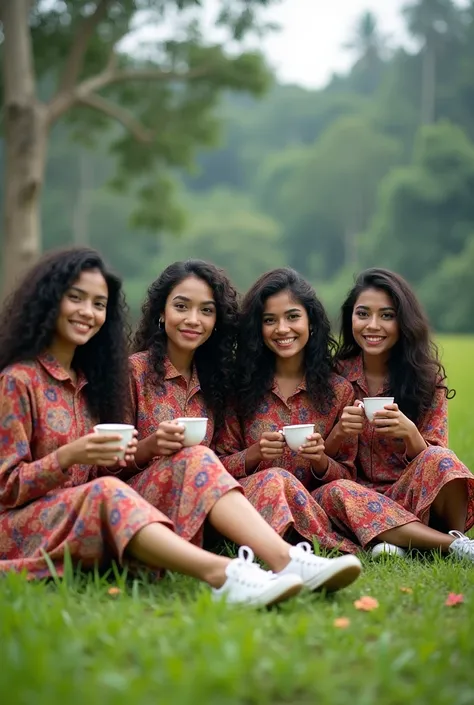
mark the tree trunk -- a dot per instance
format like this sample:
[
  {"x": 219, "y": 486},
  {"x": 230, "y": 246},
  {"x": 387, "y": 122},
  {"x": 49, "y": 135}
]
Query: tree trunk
[
  {"x": 351, "y": 254},
  {"x": 26, "y": 134},
  {"x": 82, "y": 205},
  {"x": 428, "y": 84}
]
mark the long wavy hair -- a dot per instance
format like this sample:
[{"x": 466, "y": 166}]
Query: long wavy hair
[
  {"x": 414, "y": 367},
  {"x": 28, "y": 322},
  {"x": 215, "y": 358},
  {"x": 255, "y": 364}
]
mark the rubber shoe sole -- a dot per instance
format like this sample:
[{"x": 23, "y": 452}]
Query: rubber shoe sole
[
  {"x": 340, "y": 573},
  {"x": 290, "y": 588}
]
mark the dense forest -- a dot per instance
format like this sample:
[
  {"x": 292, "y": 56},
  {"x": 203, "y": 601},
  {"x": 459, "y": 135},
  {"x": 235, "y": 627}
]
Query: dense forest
[{"x": 377, "y": 168}]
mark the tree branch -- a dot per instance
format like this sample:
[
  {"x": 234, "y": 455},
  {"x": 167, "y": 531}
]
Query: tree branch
[
  {"x": 114, "y": 111},
  {"x": 111, "y": 76},
  {"x": 89, "y": 87},
  {"x": 79, "y": 46}
]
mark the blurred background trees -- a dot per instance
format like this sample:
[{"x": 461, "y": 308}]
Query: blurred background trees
[{"x": 377, "y": 168}]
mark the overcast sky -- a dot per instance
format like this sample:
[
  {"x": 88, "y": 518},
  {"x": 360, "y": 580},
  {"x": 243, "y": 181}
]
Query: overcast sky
[
  {"x": 309, "y": 47},
  {"x": 310, "y": 44}
]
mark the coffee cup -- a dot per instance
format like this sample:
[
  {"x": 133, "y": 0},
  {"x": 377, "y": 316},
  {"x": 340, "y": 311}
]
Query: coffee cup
[
  {"x": 297, "y": 435},
  {"x": 195, "y": 429},
  {"x": 373, "y": 404},
  {"x": 117, "y": 429}
]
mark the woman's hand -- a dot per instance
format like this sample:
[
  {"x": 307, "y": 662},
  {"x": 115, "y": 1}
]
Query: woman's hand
[
  {"x": 93, "y": 449},
  {"x": 130, "y": 451},
  {"x": 168, "y": 439},
  {"x": 313, "y": 449},
  {"x": 271, "y": 445},
  {"x": 393, "y": 423},
  {"x": 351, "y": 422}
]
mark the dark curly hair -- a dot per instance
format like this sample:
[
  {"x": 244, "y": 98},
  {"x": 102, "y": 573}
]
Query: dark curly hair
[
  {"x": 255, "y": 367},
  {"x": 215, "y": 358},
  {"x": 28, "y": 324},
  {"x": 414, "y": 367}
]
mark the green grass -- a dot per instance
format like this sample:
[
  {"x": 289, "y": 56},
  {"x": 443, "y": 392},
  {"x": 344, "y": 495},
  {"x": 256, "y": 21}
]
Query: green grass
[{"x": 167, "y": 643}]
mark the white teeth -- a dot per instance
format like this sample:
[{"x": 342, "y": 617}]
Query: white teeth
[
  {"x": 81, "y": 326},
  {"x": 374, "y": 339},
  {"x": 285, "y": 341}
]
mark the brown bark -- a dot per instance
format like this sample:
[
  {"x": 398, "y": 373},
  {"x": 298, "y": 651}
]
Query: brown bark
[{"x": 25, "y": 146}]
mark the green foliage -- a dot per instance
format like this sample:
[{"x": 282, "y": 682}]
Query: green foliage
[
  {"x": 426, "y": 210},
  {"x": 328, "y": 181},
  {"x": 225, "y": 225},
  {"x": 448, "y": 291},
  {"x": 164, "y": 96},
  {"x": 327, "y": 194}
]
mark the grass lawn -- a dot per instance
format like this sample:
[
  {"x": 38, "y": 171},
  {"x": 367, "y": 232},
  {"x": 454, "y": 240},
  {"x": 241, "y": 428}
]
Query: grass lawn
[{"x": 76, "y": 644}]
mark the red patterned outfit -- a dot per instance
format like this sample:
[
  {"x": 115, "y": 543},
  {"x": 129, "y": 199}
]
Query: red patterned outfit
[
  {"x": 384, "y": 471},
  {"x": 288, "y": 495},
  {"x": 186, "y": 485},
  {"x": 45, "y": 508}
]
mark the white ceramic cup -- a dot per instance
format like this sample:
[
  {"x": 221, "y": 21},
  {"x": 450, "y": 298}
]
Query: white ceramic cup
[
  {"x": 195, "y": 429},
  {"x": 296, "y": 436},
  {"x": 373, "y": 404},
  {"x": 117, "y": 429}
]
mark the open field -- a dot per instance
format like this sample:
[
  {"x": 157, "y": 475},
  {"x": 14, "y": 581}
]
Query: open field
[{"x": 167, "y": 643}]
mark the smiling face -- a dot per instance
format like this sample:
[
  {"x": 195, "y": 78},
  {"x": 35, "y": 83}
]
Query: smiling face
[
  {"x": 189, "y": 315},
  {"x": 374, "y": 322},
  {"x": 82, "y": 311},
  {"x": 285, "y": 325}
]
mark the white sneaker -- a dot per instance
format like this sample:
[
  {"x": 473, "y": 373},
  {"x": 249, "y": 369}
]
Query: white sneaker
[
  {"x": 387, "y": 549},
  {"x": 248, "y": 584},
  {"x": 462, "y": 546},
  {"x": 318, "y": 573}
]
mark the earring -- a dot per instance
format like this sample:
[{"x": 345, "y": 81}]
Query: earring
[{"x": 161, "y": 324}]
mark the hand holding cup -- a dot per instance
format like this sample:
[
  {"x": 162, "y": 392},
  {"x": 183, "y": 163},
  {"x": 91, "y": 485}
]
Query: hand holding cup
[
  {"x": 167, "y": 439},
  {"x": 128, "y": 440},
  {"x": 271, "y": 445},
  {"x": 351, "y": 422},
  {"x": 392, "y": 422}
]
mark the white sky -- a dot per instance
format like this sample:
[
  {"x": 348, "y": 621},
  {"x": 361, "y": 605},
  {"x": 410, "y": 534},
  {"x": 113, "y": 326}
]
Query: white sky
[{"x": 309, "y": 46}]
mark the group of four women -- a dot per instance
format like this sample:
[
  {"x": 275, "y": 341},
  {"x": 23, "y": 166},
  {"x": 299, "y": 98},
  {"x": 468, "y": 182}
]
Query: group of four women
[{"x": 251, "y": 369}]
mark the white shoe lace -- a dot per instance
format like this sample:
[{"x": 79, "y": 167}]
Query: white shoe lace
[
  {"x": 463, "y": 543},
  {"x": 244, "y": 570},
  {"x": 304, "y": 553}
]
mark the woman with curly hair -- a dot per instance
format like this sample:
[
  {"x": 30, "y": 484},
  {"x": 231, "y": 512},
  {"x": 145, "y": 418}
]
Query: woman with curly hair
[
  {"x": 63, "y": 367},
  {"x": 386, "y": 351},
  {"x": 184, "y": 352},
  {"x": 284, "y": 377}
]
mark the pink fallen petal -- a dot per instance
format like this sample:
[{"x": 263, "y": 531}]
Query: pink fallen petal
[
  {"x": 341, "y": 623},
  {"x": 454, "y": 599},
  {"x": 366, "y": 603}
]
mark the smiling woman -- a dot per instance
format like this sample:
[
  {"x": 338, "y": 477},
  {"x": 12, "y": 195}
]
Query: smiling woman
[
  {"x": 375, "y": 325},
  {"x": 284, "y": 378},
  {"x": 82, "y": 314},
  {"x": 386, "y": 349},
  {"x": 189, "y": 318},
  {"x": 286, "y": 328}
]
